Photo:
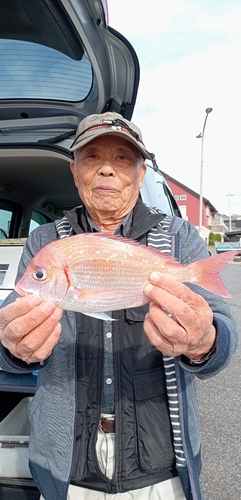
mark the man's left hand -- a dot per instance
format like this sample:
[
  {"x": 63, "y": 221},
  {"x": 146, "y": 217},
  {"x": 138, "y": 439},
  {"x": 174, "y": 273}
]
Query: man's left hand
[{"x": 179, "y": 321}]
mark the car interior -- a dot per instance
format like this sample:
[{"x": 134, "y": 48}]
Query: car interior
[{"x": 36, "y": 185}]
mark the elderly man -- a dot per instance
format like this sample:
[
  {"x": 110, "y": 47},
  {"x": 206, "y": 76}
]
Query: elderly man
[{"x": 115, "y": 413}]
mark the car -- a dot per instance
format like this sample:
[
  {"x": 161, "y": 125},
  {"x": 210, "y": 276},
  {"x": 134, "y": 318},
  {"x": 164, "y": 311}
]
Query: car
[{"x": 60, "y": 61}]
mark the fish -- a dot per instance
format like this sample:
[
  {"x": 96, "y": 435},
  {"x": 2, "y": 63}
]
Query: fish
[{"x": 94, "y": 273}]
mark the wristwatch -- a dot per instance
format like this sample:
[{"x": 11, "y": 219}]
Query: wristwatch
[{"x": 204, "y": 358}]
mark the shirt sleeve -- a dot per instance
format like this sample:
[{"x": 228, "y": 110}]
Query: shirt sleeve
[
  {"x": 37, "y": 239},
  {"x": 192, "y": 247}
]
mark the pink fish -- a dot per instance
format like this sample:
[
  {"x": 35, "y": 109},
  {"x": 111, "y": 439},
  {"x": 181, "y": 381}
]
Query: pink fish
[{"x": 95, "y": 272}]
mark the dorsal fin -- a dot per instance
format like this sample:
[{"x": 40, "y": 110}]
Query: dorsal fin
[{"x": 129, "y": 241}]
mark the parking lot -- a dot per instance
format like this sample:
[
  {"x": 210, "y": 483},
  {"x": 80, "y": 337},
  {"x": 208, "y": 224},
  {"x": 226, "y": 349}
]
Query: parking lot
[{"x": 220, "y": 407}]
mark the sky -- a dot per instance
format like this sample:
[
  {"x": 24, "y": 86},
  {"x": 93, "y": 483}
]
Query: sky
[{"x": 189, "y": 53}]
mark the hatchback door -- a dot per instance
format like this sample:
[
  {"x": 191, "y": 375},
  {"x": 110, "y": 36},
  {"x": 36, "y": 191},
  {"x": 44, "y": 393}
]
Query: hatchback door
[{"x": 60, "y": 62}]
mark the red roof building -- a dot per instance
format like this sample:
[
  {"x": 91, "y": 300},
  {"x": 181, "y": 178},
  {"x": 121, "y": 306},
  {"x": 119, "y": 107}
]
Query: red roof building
[{"x": 189, "y": 204}]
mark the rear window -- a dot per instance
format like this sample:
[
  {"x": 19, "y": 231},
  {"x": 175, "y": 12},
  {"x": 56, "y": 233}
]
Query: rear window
[
  {"x": 37, "y": 220},
  {"x": 12, "y": 215},
  {"x": 34, "y": 71},
  {"x": 5, "y": 221}
]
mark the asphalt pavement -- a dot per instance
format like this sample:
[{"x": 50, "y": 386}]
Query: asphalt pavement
[{"x": 220, "y": 409}]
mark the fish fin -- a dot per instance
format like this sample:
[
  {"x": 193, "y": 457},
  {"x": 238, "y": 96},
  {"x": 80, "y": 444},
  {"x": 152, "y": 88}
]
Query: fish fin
[
  {"x": 101, "y": 315},
  {"x": 208, "y": 270},
  {"x": 129, "y": 241}
]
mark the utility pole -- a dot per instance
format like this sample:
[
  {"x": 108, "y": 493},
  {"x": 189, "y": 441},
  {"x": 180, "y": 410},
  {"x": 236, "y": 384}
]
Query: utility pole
[{"x": 201, "y": 136}]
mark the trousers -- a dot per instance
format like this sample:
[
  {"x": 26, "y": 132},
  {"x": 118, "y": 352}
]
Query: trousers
[{"x": 105, "y": 449}]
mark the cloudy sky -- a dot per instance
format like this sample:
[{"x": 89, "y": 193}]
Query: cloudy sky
[{"x": 189, "y": 53}]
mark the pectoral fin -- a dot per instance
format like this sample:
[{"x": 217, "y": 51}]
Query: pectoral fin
[{"x": 101, "y": 315}]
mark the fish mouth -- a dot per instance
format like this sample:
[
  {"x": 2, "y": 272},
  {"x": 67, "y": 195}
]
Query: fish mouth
[{"x": 20, "y": 291}]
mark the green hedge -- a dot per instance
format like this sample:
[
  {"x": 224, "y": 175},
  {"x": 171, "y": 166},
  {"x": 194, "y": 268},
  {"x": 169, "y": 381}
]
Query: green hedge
[{"x": 214, "y": 237}]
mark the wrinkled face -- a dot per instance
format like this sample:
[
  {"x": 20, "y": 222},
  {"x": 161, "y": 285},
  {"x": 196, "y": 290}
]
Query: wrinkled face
[{"x": 108, "y": 173}]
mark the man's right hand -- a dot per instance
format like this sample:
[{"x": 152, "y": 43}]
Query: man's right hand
[{"x": 30, "y": 328}]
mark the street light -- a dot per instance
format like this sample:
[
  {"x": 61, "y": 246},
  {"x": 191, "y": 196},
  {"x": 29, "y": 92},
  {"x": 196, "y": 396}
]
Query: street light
[{"x": 201, "y": 136}]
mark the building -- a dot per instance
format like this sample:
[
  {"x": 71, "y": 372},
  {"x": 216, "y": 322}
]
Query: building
[
  {"x": 228, "y": 227},
  {"x": 189, "y": 204},
  {"x": 220, "y": 224},
  {"x": 233, "y": 222}
]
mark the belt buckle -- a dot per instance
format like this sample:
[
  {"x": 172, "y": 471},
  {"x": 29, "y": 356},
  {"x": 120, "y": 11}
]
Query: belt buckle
[{"x": 107, "y": 425}]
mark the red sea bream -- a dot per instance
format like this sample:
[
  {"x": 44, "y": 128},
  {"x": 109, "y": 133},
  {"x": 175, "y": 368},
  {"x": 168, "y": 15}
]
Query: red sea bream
[{"x": 95, "y": 272}]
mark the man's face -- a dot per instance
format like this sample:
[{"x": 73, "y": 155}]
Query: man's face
[{"x": 108, "y": 173}]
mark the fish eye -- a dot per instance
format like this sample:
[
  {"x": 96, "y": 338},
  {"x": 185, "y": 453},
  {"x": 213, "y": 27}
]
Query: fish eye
[{"x": 40, "y": 275}]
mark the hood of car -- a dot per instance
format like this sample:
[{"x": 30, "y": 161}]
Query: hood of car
[{"x": 60, "y": 61}]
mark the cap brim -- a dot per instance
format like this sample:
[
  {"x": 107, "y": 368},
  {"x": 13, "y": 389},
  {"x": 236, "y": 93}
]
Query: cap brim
[{"x": 90, "y": 136}]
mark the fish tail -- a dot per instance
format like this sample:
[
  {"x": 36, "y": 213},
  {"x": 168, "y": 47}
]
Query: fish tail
[{"x": 207, "y": 272}]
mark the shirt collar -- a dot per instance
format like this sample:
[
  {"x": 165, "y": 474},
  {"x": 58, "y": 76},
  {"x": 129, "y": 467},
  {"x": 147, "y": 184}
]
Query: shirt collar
[{"x": 121, "y": 230}]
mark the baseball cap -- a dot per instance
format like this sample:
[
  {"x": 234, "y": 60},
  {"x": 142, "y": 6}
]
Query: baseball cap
[{"x": 109, "y": 123}]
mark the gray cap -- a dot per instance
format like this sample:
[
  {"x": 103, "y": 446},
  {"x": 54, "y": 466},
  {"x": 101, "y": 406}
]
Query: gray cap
[{"x": 108, "y": 124}]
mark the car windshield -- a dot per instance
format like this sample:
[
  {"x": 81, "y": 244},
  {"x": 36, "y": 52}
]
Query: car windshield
[{"x": 30, "y": 70}]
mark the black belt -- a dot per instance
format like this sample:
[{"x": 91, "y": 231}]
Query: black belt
[{"x": 107, "y": 425}]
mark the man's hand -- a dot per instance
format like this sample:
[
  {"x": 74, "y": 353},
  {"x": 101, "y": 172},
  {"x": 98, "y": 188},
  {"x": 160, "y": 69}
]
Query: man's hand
[
  {"x": 30, "y": 328},
  {"x": 179, "y": 321}
]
